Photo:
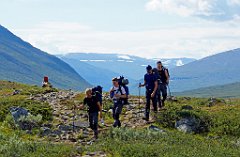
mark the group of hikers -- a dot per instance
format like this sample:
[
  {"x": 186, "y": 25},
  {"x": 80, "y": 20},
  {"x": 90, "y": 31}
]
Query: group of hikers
[{"x": 156, "y": 81}]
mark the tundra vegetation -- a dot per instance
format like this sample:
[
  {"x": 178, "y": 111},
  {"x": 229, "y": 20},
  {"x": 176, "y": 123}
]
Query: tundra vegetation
[{"x": 216, "y": 133}]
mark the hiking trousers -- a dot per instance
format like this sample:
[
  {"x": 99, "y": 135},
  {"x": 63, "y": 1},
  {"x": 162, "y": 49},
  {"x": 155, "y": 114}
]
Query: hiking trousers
[
  {"x": 149, "y": 99},
  {"x": 93, "y": 122},
  {"x": 117, "y": 110},
  {"x": 162, "y": 92}
]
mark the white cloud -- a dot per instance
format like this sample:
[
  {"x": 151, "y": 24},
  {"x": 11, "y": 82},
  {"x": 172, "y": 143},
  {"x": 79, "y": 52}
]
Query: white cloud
[
  {"x": 181, "y": 7},
  {"x": 234, "y": 2},
  {"x": 220, "y": 10},
  {"x": 197, "y": 41}
]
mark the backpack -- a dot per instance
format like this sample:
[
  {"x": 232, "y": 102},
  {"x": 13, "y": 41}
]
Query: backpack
[
  {"x": 127, "y": 93},
  {"x": 97, "y": 91},
  {"x": 166, "y": 69},
  {"x": 155, "y": 71}
]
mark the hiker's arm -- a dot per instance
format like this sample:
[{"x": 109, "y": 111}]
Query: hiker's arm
[
  {"x": 100, "y": 109},
  {"x": 142, "y": 85},
  {"x": 167, "y": 76},
  {"x": 155, "y": 88},
  {"x": 121, "y": 96},
  {"x": 81, "y": 107}
]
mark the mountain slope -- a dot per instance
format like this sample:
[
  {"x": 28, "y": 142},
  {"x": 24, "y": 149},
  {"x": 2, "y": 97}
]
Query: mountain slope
[
  {"x": 223, "y": 91},
  {"x": 20, "y": 61},
  {"x": 130, "y": 66},
  {"x": 214, "y": 70}
]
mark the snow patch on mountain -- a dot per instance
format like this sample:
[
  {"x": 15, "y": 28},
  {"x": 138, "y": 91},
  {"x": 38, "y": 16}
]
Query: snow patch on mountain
[
  {"x": 179, "y": 63},
  {"x": 124, "y": 57},
  {"x": 97, "y": 60}
]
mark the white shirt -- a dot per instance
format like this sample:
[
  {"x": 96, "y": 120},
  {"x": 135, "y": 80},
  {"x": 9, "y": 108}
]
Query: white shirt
[{"x": 117, "y": 91}]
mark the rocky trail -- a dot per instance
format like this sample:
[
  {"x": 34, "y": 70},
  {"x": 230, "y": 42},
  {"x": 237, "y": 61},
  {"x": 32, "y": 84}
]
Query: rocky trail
[
  {"x": 62, "y": 129},
  {"x": 70, "y": 125}
]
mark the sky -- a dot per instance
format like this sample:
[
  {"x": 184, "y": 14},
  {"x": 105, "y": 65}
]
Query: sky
[{"x": 146, "y": 28}]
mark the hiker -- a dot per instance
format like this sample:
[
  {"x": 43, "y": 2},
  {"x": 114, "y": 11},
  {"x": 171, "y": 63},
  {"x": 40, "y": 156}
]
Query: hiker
[
  {"x": 98, "y": 92},
  {"x": 46, "y": 83},
  {"x": 118, "y": 94},
  {"x": 162, "y": 75},
  {"x": 94, "y": 107},
  {"x": 151, "y": 84}
]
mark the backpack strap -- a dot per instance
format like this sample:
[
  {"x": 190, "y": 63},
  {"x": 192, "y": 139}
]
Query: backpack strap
[
  {"x": 120, "y": 90},
  {"x": 165, "y": 69}
]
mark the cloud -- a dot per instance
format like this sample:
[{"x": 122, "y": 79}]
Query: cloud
[
  {"x": 218, "y": 10},
  {"x": 234, "y": 2},
  {"x": 179, "y": 41}
]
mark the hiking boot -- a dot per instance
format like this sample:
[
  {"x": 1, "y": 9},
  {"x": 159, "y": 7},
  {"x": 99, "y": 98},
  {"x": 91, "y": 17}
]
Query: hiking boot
[
  {"x": 119, "y": 124},
  {"x": 146, "y": 119},
  {"x": 163, "y": 103},
  {"x": 95, "y": 135},
  {"x": 115, "y": 124}
]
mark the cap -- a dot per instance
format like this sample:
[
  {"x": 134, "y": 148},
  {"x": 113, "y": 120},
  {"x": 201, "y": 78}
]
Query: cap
[
  {"x": 159, "y": 62},
  {"x": 115, "y": 79}
]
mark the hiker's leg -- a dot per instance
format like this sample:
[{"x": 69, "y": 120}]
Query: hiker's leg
[
  {"x": 158, "y": 96},
  {"x": 118, "y": 112},
  {"x": 90, "y": 119},
  {"x": 95, "y": 124},
  {"x": 147, "y": 108},
  {"x": 154, "y": 102},
  {"x": 114, "y": 110},
  {"x": 164, "y": 93},
  {"x": 115, "y": 115}
]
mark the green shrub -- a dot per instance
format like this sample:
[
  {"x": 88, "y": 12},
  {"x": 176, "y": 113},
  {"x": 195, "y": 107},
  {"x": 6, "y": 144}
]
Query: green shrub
[
  {"x": 140, "y": 143},
  {"x": 14, "y": 146},
  {"x": 33, "y": 106}
]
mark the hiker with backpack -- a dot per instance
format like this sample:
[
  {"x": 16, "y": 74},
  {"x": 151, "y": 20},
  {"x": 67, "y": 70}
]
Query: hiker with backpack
[
  {"x": 151, "y": 84},
  {"x": 163, "y": 76},
  {"x": 118, "y": 95},
  {"x": 94, "y": 108},
  {"x": 98, "y": 92}
]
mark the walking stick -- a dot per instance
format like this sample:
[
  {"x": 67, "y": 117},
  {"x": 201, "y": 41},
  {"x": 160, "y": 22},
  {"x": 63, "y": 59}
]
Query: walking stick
[
  {"x": 139, "y": 96},
  {"x": 74, "y": 115},
  {"x": 169, "y": 90}
]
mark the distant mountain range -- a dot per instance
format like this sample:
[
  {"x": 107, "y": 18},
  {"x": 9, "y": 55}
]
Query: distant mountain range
[
  {"x": 21, "y": 62},
  {"x": 219, "y": 69},
  {"x": 101, "y": 68},
  {"x": 94, "y": 75},
  {"x": 130, "y": 66},
  {"x": 223, "y": 91}
]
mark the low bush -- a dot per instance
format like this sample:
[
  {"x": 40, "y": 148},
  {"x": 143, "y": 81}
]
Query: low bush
[{"x": 138, "y": 143}]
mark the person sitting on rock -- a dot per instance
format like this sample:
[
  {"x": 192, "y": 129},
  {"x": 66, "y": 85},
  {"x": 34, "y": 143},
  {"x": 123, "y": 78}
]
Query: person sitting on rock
[
  {"x": 94, "y": 107},
  {"x": 117, "y": 93},
  {"x": 46, "y": 83},
  {"x": 151, "y": 84}
]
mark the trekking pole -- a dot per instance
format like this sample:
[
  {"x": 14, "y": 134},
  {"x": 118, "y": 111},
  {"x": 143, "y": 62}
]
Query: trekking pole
[
  {"x": 169, "y": 90},
  {"x": 74, "y": 115},
  {"x": 139, "y": 95}
]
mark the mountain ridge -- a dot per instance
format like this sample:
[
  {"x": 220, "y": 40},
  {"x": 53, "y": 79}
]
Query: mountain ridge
[
  {"x": 218, "y": 69},
  {"x": 22, "y": 62}
]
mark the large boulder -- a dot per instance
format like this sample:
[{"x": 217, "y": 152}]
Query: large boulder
[
  {"x": 155, "y": 128},
  {"x": 187, "y": 125},
  {"x": 18, "y": 112},
  {"x": 23, "y": 119}
]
